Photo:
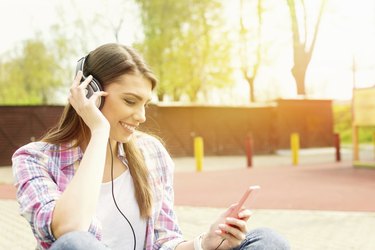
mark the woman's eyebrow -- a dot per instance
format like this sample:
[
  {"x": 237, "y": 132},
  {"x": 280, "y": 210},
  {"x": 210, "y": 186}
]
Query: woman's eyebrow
[{"x": 136, "y": 96}]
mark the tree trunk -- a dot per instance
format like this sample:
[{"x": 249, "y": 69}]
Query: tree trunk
[
  {"x": 251, "y": 86},
  {"x": 250, "y": 81},
  {"x": 250, "y": 78},
  {"x": 302, "y": 51},
  {"x": 301, "y": 62},
  {"x": 160, "y": 96},
  {"x": 299, "y": 74}
]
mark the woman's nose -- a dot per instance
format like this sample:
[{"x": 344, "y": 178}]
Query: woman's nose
[{"x": 140, "y": 115}]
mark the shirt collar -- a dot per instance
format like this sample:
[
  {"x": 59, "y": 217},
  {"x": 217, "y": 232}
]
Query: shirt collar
[{"x": 69, "y": 154}]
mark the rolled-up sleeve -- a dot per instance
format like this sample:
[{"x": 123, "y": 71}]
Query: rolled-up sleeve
[
  {"x": 42, "y": 172},
  {"x": 36, "y": 192}
]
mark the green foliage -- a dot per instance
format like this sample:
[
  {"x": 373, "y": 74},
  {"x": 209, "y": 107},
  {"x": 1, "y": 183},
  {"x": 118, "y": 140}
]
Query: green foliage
[
  {"x": 342, "y": 114},
  {"x": 184, "y": 42},
  {"x": 187, "y": 49},
  {"x": 30, "y": 76}
]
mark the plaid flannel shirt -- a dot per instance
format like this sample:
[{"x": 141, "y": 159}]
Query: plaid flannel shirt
[{"x": 42, "y": 171}]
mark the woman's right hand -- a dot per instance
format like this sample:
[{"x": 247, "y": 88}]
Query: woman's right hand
[
  {"x": 86, "y": 107},
  {"x": 76, "y": 206},
  {"x": 227, "y": 232}
]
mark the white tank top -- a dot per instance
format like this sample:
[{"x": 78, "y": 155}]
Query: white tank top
[{"x": 117, "y": 233}]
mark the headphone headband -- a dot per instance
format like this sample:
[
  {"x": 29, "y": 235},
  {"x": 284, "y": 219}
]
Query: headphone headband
[{"x": 80, "y": 64}]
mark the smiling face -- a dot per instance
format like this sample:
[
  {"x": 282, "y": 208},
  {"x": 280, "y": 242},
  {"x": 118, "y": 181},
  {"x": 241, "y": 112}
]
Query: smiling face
[{"x": 125, "y": 104}]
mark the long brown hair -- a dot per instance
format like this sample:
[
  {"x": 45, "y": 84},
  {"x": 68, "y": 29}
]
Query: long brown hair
[{"x": 106, "y": 64}]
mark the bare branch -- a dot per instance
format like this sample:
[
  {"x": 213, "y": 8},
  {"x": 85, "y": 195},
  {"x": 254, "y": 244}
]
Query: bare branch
[
  {"x": 260, "y": 22},
  {"x": 243, "y": 40},
  {"x": 304, "y": 23},
  {"x": 316, "y": 29},
  {"x": 294, "y": 22},
  {"x": 117, "y": 28}
]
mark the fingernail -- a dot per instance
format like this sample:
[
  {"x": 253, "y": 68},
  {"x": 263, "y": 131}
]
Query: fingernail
[{"x": 243, "y": 214}]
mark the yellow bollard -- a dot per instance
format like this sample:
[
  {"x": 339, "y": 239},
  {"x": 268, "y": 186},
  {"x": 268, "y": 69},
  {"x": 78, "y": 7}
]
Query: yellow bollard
[
  {"x": 198, "y": 153},
  {"x": 294, "y": 144}
]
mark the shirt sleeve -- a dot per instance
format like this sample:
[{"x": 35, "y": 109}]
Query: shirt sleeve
[
  {"x": 36, "y": 191},
  {"x": 167, "y": 232}
]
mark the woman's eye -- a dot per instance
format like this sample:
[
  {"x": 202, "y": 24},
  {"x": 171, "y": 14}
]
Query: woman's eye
[{"x": 130, "y": 102}]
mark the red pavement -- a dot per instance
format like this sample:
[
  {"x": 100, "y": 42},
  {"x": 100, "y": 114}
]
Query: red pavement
[
  {"x": 336, "y": 186},
  {"x": 7, "y": 191}
]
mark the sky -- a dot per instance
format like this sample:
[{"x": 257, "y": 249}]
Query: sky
[
  {"x": 21, "y": 19},
  {"x": 347, "y": 34}
]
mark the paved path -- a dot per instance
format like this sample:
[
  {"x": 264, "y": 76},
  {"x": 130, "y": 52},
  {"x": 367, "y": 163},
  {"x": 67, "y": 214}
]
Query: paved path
[
  {"x": 305, "y": 230},
  {"x": 317, "y": 205}
]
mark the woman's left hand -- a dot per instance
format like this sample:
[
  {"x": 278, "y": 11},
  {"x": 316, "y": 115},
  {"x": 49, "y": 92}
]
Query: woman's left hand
[{"x": 227, "y": 232}]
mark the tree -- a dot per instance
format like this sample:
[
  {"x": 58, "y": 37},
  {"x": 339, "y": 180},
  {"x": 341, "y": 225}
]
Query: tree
[
  {"x": 302, "y": 47},
  {"x": 115, "y": 16},
  {"x": 160, "y": 33},
  {"x": 30, "y": 77},
  {"x": 187, "y": 50},
  {"x": 250, "y": 72},
  {"x": 205, "y": 49}
]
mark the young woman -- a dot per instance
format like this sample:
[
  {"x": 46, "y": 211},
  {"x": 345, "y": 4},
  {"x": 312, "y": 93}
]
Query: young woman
[{"x": 95, "y": 182}]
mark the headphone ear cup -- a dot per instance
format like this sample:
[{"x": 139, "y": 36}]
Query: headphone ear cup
[{"x": 92, "y": 87}]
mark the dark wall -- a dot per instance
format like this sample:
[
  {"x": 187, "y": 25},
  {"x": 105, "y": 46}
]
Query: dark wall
[
  {"x": 311, "y": 119},
  {"x": 22, "y": 124},
  {"x": 223, "y": 129}
]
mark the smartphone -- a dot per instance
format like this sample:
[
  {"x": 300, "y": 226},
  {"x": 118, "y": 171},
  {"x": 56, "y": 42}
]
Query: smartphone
[{"x": 250, "y": 191}]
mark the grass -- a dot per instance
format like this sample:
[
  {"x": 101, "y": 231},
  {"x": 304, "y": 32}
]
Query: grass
[{"x": 342, "y": 116}]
